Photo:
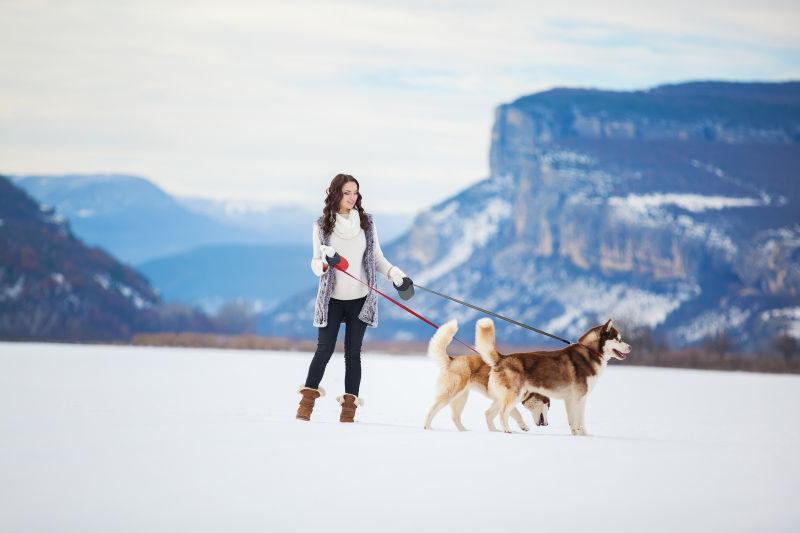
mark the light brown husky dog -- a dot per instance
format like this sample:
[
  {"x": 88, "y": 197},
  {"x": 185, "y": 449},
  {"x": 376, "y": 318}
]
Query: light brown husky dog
[
  {"x": 568, "y": 373},
  {"x": 460, "y": 373}
]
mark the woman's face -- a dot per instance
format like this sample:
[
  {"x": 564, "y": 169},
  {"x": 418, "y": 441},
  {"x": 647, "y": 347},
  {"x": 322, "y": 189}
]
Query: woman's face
[{"x": 349, "y": 196}]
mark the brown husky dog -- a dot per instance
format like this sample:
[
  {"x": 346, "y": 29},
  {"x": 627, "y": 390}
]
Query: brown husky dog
[
  {"x": 462, "y": 372},
  {"x": 568, "y": 373}
]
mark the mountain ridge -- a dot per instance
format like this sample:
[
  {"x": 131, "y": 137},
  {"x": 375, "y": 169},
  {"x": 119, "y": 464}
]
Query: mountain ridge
[{"x": 684, "y": 227}]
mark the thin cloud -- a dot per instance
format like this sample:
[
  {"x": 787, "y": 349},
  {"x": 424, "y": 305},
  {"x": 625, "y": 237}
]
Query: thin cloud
[{"x": 230, "y": 99}]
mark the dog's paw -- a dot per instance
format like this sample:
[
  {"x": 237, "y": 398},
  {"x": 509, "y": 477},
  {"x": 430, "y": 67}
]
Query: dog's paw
[{"x": 523, "y": 427}]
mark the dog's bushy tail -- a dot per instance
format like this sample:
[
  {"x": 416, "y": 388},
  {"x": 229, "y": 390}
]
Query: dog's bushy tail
[
  {"x": 485, "y": 341},
  {"x": 437, "y": 347}
]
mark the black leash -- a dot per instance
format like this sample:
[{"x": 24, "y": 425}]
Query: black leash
[
  {"x": 482, "y": 310},
  {"x": 342, "y": 267},
  {"x": 594, "y": 353}
]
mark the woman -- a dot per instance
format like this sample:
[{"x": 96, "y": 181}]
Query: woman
[{"x": 344, "y": 230}]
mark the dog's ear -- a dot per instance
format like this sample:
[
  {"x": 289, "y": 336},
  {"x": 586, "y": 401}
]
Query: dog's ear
[{"x": 607, "y": 325}]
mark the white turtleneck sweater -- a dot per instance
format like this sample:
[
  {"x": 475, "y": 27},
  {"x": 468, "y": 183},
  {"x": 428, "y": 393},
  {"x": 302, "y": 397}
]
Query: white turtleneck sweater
[{"x": 349, "y": 241}]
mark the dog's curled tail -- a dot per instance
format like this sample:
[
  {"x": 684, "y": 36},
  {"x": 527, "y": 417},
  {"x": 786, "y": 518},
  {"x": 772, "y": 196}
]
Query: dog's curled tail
[
  {"x": 485, "y": 341},
  {"x": 437, "y": 347}
]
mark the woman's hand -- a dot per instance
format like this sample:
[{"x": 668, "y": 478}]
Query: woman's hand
[
  {"x": 330, "y": 255},
  {"x": 326, "y": 251},
  {"x": 402, "y": 283},
  {"x": 397, "y": 276},
  {"x": 318, "y": 266}
]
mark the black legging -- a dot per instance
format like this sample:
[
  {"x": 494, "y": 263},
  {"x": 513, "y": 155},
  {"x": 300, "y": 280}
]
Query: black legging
[{"x": 340, "y": 311}]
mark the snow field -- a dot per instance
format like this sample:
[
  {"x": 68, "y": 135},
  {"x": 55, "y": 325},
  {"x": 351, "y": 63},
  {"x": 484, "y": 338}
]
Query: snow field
[{"x": 121, "y": 438}]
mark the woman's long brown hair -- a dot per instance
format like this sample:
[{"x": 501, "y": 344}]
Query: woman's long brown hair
[{"x": 333, "y": 197}]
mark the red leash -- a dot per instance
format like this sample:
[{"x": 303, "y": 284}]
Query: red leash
[{"x": 344, "y": 265}]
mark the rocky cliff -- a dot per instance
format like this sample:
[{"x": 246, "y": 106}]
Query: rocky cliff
[{"x": 673, "y": 209}]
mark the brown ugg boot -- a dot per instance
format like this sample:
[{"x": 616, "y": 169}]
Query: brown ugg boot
[
  {"x": 307, "y": 402},
  {"x": 349, "y": 402}
]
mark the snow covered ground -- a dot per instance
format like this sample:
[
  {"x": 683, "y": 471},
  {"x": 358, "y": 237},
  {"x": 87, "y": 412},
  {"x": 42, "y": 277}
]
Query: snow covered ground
[{"x": 109, "y": 438}]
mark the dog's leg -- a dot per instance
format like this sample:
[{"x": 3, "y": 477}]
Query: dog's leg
[
  {"x": 457, "y": 407},
  {"x": 506, "y": 404},
  {"x": 491, "y": 413},
  {"x": 519, "y": 420},
  {"x": 575, "y": 414},
  {"x": 438, "y": 404},
  {"x": 580, "y": 408}
]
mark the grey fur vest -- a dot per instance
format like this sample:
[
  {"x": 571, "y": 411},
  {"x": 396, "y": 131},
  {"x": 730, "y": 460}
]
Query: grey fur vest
[{"x": 369, "y": 311}]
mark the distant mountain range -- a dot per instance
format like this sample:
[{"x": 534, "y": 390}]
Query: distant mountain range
[
  {"x": 673, "y": 209},
  {"x": 137, "y": 221},
  {"x": 129, "y": 216},
  {"x": 196, "y": 251}
]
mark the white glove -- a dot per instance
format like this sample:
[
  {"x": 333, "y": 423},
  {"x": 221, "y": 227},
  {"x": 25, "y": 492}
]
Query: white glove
[
  {"x": 325, "y": 250},
  {"x": 318, "y": 266},
  {"x": 397, "y": 276}
]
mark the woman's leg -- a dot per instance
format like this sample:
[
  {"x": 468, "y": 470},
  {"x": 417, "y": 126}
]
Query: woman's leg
[
  {"x": 353, "y": 336},
  {"x": 326, "y": 343}
]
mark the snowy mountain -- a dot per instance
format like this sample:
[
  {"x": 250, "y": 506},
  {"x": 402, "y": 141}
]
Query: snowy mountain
[
  {"x": 52, "y": 286},
  {"x": 673, "y": 209},
  {"x": 55, "y": 287}
]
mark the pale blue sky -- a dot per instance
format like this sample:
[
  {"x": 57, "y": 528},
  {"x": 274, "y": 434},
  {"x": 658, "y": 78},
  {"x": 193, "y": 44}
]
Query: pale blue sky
[{"x": 266, "y": 101}]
